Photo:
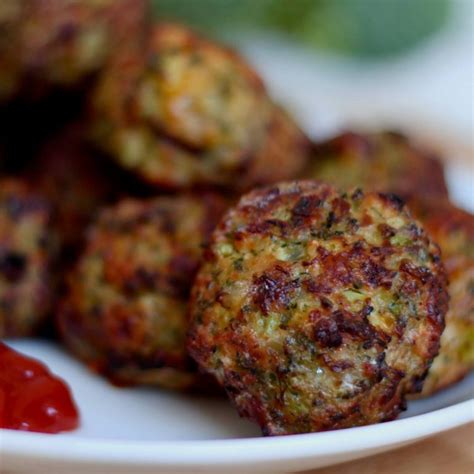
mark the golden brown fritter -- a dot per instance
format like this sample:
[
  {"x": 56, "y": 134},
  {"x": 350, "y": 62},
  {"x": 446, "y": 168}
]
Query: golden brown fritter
[
  {"x": 316, "y": 309},
  {"x": 188, "y": 111},
  {"x": 384, "y": 161},
  {"x": 453, "y": 230},
  {"x": 27, "y": 252},
  {"x": 62, "y": 42},
  {"x": 125, "y": 311}
]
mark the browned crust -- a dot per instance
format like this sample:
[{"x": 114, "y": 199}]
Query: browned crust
[{"x": 443, "y": 221}]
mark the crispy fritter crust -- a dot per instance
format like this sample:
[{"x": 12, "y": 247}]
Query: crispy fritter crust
[
  {"x": 61, "y": 42},
  {"x": 189, "y": 111},
  {"x": 384, "y": 162},
  {"x": 125, "y": 311},
  {"x": 453, "y": 230},
  {"x": 318, "y": 310},
  {"x": 27, "y": 252}
]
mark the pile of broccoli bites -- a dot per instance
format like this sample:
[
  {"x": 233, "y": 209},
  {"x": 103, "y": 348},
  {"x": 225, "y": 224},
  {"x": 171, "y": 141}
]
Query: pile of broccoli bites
[{"x": 173, "y": 226}]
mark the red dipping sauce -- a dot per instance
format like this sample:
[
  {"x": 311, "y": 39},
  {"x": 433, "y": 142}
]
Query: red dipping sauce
[{"x": 31, "y": 397}]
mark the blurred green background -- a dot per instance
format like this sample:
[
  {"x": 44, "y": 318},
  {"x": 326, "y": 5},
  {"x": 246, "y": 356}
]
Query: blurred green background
[{"x": 370, "y": 29}]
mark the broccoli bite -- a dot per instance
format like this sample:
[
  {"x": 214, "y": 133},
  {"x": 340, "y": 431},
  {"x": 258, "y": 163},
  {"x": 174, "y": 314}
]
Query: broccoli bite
[
  {"x": 50, "y": 43},
  {"x": 125, "y": 310},
  {"x": 317, "y": 309},
  {"x": 187, "y": 111}
]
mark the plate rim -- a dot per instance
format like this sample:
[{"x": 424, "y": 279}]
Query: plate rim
[{"x": 228, "y": 452}]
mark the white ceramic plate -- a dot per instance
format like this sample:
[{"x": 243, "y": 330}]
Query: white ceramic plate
[
  {"x": 141, "y": 430},
  {"x": 144, "y": 430}
]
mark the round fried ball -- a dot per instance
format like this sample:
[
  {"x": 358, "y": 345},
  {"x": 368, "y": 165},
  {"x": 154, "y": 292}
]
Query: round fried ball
[
  {"x": 62, "y": 42},
  {"x": 27, "y": 253},
  {"x": 453, "y": 230},
  {"x": 316, "y": 309},
  {"x": 188, "y": 111},
  {"x": 384, "y": 161},
  {"x": 125, "y": 310}
]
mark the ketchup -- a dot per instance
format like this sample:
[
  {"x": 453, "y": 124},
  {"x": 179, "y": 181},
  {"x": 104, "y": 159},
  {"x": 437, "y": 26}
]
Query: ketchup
[{"x": 31, "y": 397}]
